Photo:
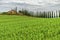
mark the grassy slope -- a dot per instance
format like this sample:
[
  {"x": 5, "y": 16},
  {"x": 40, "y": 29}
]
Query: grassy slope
[{"x": 28, "y": 28}]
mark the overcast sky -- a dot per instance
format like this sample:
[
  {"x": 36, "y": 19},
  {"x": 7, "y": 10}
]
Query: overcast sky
[
  {"x": 33, "y": 2},
  {"x": 44, "y": 4}
]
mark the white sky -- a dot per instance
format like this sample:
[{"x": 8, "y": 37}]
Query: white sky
[
  {"x": 33, "y": 2},
  {"x": 43, "y": 3}
]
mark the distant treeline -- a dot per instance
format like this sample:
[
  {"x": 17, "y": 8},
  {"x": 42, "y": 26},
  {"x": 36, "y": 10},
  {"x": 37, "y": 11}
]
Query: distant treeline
[{"x": 44, "y": 14}]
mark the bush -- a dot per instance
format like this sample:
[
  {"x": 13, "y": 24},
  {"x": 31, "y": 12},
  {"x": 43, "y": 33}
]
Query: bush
[
  {"x": 25, "y": 12},
  {"x": 4, "y": 13}
]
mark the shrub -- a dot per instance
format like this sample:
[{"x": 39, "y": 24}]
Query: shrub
[
  {"x": 25, "y": 12},
  {"x": 4, "y": 13}
]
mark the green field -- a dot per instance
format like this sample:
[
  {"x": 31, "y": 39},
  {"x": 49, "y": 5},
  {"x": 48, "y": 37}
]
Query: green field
[{"x": 29, "y": 28}]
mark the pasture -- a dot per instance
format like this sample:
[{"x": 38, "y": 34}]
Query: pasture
[{"x": 14, "y": 27}]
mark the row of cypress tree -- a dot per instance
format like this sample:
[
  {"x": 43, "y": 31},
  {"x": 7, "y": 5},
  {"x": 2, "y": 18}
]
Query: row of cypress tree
[{"x": 44, "y": 14}]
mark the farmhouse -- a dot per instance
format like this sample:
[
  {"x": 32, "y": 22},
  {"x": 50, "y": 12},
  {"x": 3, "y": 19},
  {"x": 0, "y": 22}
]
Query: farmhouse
[{"x": 12, "y": 12}]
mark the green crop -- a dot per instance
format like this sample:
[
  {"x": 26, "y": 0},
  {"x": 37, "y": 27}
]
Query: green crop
[{"x": 29, "y": 28}]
